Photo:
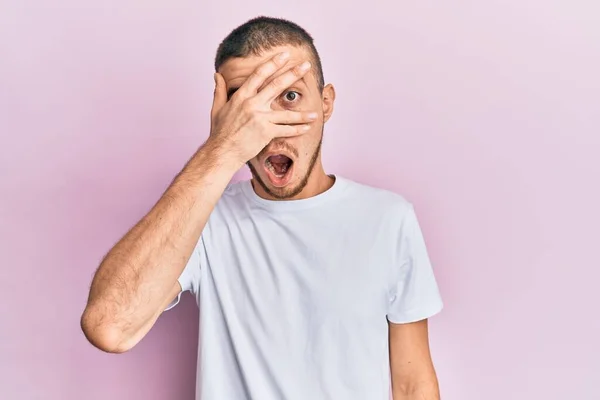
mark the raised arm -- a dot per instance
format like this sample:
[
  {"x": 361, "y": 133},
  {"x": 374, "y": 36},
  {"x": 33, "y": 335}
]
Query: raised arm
[{"x": 138, "y": 277}]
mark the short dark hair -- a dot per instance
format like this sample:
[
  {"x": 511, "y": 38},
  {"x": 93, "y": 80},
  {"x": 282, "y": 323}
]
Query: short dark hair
[{"x": 263, "y": 33}]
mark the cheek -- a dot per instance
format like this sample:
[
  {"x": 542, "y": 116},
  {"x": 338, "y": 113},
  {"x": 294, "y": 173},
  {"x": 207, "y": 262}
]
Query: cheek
[
  {"x": 308, "y": 102},
  {"x": 256, "y": 166},
  {"x": 307, "y": 144}
]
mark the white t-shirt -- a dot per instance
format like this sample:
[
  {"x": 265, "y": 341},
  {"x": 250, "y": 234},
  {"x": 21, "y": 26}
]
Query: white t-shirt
[{"x": 295, "y": 296}]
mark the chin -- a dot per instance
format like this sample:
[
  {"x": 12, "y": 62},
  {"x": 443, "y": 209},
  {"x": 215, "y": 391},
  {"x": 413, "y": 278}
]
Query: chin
[
  {"x": 278, "y": 183},
  {"x": 280, "y": 173}
]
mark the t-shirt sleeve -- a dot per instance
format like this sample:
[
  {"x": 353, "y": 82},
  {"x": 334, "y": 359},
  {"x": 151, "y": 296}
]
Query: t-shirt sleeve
[
  {"x": 190, "y": 277},
  {"x": 415, "y": 294}
]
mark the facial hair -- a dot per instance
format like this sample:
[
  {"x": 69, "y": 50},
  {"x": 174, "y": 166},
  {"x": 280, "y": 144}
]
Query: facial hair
[{"x": 287, "y": 193}]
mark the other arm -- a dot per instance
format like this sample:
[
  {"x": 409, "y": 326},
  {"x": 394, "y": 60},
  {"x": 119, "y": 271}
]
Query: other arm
[{"x": 412, "y": 370}]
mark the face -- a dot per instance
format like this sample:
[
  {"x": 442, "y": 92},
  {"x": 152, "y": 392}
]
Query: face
[{"x": 287, "y": 168}]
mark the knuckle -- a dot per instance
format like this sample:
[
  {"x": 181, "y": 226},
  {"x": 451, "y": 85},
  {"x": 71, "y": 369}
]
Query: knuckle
[
  {"x": 247, "y": 106},
  {"x": 262, "y": 72},
  {"x": 266, "y": 70},
  {"x": 278, "y": 62},
  {"x": 234, "y": 99},
  {"x": 279, "y": 81}
]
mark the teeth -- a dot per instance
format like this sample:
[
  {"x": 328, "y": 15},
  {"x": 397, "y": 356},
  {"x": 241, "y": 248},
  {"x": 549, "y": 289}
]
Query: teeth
[{"x": 272, "y": 169}]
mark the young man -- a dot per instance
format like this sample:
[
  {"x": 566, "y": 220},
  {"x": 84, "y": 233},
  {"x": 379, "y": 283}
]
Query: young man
[{"x": 310, "y": 286}]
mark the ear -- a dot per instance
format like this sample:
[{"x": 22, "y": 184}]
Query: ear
[{"x": 328, "y": 100}]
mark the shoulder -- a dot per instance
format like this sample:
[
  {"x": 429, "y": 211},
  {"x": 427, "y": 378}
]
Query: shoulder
[
  {"x": 234, "y": 190},
  {"x": 233, "y": 198},
  {"x": 378, "y": 201}
]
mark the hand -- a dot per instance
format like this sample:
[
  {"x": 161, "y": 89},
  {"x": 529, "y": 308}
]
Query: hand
[{"x": 245, "y": 124}]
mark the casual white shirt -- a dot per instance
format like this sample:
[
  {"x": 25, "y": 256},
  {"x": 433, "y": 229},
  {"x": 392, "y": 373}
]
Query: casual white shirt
[{"x": 295, "y": 296}]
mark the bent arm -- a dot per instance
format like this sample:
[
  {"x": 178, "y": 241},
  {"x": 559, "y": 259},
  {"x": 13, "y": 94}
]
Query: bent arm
[{"x": 137, "y": 279}]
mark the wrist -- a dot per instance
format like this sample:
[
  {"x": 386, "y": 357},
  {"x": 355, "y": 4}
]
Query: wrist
[
  {"x": 211, "y": 166},
  {"x": 221, "y": 155}
]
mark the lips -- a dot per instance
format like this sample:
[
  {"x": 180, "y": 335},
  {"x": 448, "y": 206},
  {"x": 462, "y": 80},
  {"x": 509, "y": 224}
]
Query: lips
[{"x": 279, "y": 169}]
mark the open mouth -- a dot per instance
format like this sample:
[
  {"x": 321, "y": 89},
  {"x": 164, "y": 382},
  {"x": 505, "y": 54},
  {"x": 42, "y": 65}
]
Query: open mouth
[{"x": 279, "y": 169}]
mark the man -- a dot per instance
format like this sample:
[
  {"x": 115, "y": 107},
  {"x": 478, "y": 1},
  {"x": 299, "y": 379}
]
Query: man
[{"x": 310, "y": 286}]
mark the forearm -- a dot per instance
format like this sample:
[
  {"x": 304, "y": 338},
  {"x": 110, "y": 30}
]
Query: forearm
[{"x": 139, "y": 272}]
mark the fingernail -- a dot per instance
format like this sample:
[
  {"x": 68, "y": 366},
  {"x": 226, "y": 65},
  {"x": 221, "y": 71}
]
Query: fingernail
[
  {"x": 305, "y": 66},
  {"x": 305, "y": 128},
  {"x": 283, "y": 56},
  {"x": 313, "y": 115}
]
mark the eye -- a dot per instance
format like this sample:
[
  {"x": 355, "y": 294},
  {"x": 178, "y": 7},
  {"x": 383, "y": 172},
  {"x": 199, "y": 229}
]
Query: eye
[{"x": 291, "y": 96}]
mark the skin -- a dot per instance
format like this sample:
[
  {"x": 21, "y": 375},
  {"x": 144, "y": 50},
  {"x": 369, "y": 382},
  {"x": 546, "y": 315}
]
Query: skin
[
  {"x": 309, "y": 178},
  {"x": 137, "y": 279},
  {"x": 252, "y": 116},
  {"x": 412, "y": 370}
]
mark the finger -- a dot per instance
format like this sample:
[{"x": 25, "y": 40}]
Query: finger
[
  {"x": 292, "y": 117},
  {"x": 282, "y": 82},
  {"x": 262, "y": 73},
  {"x": 290, "y": 130},
  {"x": 220, "y": 95}
]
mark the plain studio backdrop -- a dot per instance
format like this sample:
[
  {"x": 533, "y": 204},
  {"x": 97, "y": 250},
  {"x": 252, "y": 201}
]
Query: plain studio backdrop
[{"x": 484, "y": 114}]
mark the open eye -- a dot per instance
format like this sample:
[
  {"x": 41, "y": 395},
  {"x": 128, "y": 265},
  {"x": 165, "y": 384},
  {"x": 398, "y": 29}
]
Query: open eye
[{"x": 291, "y": 97}]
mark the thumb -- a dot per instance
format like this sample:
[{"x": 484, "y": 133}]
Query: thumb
[{"x": 220, "y": 96}]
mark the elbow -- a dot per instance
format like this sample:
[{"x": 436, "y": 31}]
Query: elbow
[
  {"x": 427, "y": 388},
  {"x": 105, "y": 337}
]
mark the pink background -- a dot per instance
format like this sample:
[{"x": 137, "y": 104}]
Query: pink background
[{"x": 487, "y": 113}]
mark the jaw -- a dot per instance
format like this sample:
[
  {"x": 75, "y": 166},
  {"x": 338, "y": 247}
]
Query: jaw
[{"x": 272, "y": 188}]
